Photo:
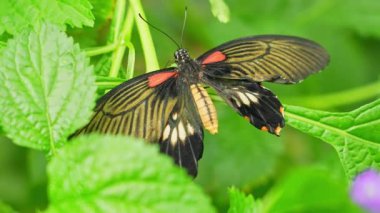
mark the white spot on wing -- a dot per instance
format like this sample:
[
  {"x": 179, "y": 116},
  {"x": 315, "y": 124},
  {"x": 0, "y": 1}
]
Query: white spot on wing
[
  {"x": 174, "y": 138},
  {"x": 166, "y": 132},
  {"x": 237, "y": 102},
  {"x": 252, "y": 98},
  {"x": 243, "y": 98},
  {"x": 181, "y": 131},
  {"x": 174, "y": 116},
  {"x": 190, "y": 129}
]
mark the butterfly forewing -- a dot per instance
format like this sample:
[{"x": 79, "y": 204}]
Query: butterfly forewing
[
  {"x": 280, "y": 59},
  {"x": 135, "y": 108}
]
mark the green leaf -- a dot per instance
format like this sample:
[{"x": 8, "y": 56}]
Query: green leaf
[
  {"x": 309, "y": 190},
  {"x": 102, "y": 10},
  {"x": 150, "y": 56},
  {"x": 94, "y": 36},
  {"x": 18, "y": 14},
  {"x": 4, "y": 208},
  {"x": 355, "y": 135},
  {"x": 119, "y": 174},
  {"x": 237, "y": 143},
  {"x": 240, "y": 203},
  {"x": 220, "y": 10},
  {"x": 47, "y": 88}
]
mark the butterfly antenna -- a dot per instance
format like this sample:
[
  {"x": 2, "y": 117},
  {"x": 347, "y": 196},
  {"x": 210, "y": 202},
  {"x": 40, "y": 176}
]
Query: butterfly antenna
[
  {"x": 154, "y": 27},
  {"x": 183, "y": 26}
]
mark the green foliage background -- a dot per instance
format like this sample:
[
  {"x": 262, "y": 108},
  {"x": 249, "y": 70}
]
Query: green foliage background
[{"x": 300, "y": 171}]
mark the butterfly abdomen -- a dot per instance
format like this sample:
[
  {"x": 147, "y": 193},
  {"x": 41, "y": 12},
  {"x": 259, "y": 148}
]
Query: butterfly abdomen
[{"x": 205, "y": 107}]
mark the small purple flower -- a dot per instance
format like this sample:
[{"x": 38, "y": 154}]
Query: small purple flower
[{"x": 365, "y": 190}]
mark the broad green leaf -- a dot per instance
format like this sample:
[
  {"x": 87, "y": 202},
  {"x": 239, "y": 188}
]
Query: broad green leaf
[
  {"x": 309, "y": 190},
  {"x": 18, "y": 14},
  {"x": 240, "y": 203},
  {"x": 220, "y": 10},
  {"x": 47, "y": 88},
  {"x": 119, "y": 174},
  {"x": 238, "y": 155},
  {"x": 355, "y": 135},
  {"x": 94, "y": 36},
  {"x": 4, "y": 208}
]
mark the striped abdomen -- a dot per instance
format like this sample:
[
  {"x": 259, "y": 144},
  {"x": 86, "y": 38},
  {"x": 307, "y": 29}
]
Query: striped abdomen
[{"x": 205, "y": 107}]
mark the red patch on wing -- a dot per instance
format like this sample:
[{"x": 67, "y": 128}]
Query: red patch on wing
[
  {"x": 214, "y": 57},
  {"x": 159, "y": 78}
]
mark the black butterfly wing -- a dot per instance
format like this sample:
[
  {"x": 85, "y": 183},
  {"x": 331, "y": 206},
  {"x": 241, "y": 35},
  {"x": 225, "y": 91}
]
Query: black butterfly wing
[
  {"x": 183, "y": 136},
  {"x": 255, "y": 103},
  {"x": 274, "y": 58},
  {"x": 139, "y": 107}
]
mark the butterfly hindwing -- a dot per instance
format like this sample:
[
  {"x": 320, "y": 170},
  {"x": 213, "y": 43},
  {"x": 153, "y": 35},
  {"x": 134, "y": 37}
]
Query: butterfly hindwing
[
  {"x": 139, "y": 107},
  {"x": 255, "y": 103},
  {"x": 274, "y": 58},
  {"x": 182, "y": 138}
]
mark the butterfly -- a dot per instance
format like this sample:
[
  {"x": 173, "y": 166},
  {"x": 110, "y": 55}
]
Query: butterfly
[{"x": 172, "y": 107}]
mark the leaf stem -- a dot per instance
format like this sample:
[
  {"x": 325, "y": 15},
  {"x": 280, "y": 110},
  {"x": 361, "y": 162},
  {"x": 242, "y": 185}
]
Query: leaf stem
[
  {"x": 337, "y": 99},
  {"x": 123, "y": 38},
  {"x": 131, "y": 60},
  {"x": 118, "y": 20},
  {"x": 105, "y": 83},
  {"x": 100, "y": 50},
  {"x": 150, "y": 56}
]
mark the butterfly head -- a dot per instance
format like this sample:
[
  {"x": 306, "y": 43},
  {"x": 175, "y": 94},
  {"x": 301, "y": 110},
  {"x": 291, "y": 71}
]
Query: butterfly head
[{"x": 181, "y": 56}]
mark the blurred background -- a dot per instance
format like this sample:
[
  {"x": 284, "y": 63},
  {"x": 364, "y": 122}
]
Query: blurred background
[{"x": 239, "y": 154}]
